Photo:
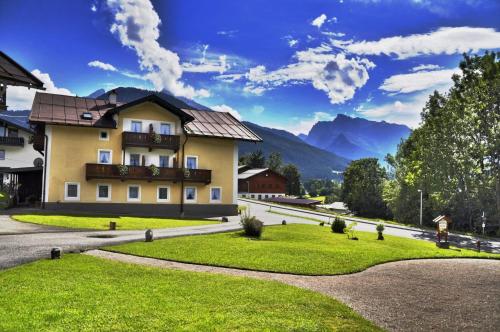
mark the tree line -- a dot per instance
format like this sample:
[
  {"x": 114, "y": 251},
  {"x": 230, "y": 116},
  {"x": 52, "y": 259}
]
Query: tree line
[{"x": 453, "y": 157}]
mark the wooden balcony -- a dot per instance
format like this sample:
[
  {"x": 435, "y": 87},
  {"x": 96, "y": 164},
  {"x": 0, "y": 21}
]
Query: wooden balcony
[
  {"x": 13, "y": 141},
  {"x": 146, "y": 140},
  {"x": 103, "y": 171}
]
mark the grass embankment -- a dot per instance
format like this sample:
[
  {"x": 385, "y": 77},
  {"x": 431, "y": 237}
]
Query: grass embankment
[
  {"x": 102, "y": 223},
  {"x": 299, "y": 249},
  {"x": 316, "y": 198},
  {"x": 90, "y": 294}
]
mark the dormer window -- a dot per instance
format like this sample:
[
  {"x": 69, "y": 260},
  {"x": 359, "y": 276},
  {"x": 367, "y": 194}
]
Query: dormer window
[{"x": 86, "y": 116}]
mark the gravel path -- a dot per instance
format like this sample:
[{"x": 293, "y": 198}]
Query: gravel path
[{"x": 417, "y": 295}]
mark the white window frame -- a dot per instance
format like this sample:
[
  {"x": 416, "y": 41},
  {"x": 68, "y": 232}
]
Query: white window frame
[
  {"x": 128, "y": 193},
  {"x": 164, "y": 155},
  {"x": 66, "y": 198},
  {"x": 215, "y": 200},
  {"x": 195, "y": 195},
  {"x": 158, "y": 199},
  {"x": 191, "y": 156},
  {"x": 97, "y": 192},
  {"x": 130, "y": 159},
  {"x": 172, "y": 127},
  {"x": 110, "y": 156},
  {"x": 131, "y": 122},
  {"x": 107, "y": 135}
]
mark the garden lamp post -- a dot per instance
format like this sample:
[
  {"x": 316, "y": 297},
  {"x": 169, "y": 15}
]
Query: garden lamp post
[{"x": 421, "y": 194}]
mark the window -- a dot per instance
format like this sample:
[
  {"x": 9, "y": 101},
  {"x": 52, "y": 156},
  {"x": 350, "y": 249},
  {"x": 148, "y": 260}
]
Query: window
[
  {"x": 134, "y": 193},
  {"x": 136, "y": 126},
  {"x": 253, "y": 196},
  {"x": 163, "y": 161},
  {"x": 103, "y": 135},
  {"x": 72, "y": 191},
  {"x": 163, "y": 194},
  {"x": 13, "y": 132},
  {"x": 215, "y": 195},
  {"x": 192, "y": 162},
  {"x": 103, "y": 192},
  {"x": 190, "y": 194},
  {"x": 104, "y": 156},
  {"x": 165, "y": 129},
  {"x": 2, "y": 131},
  {"x": 2, "y": 154},
  {"x": 135, "y": 159}
]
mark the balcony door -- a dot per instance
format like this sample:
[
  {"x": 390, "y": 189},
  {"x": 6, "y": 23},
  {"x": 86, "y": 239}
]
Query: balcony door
[
  {"x": 192, "y": 162},
  {"x": 136, "y": 126},
  {"x": 165, "y": 129}
]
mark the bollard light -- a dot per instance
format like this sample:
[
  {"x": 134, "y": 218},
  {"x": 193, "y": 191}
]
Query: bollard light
[
  {"x": 55, "y": 253},
  {"x": 149, "y": 235},
  {"x": 112, "y": 225}
]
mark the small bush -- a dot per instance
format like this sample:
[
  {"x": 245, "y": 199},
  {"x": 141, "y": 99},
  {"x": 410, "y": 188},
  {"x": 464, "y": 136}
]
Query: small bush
[
  {"x": 338, "y": 225},
  {"x": 251, "y": 225},
  {"x": 349, "y": 230},
  {"x": 283, "y": 222},
  {"x": 322, "y": 223},
  {"x": 380, "y": 229}
]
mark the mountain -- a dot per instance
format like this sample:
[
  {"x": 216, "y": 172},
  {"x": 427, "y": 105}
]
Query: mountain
[
  {"x": 96, "y": 94},
  {"x": 302, "y": 136},
  {"x": 125, "y": 95},
  {"x": 311, "y": 161},
  {"x": 355, "y": 138}
]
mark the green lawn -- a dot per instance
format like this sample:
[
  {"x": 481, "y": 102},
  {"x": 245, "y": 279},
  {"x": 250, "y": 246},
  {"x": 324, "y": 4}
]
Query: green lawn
[
  {"x": 122, "y": 223},
  {"x": 83, "y": 293},
  {"x": 316, "y": 198},
  {"x": 300, "y": 249}
]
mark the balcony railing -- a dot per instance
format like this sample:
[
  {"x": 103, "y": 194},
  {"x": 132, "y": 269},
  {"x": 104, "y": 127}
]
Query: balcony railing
[
  {"x": 104, "y": 171},
  {"x": 131, "y": 139},
  {"x": 14, "y": 141}
]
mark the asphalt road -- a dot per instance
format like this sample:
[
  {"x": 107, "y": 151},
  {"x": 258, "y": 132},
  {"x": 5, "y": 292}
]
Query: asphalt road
[{"x": 21, "y": 242}]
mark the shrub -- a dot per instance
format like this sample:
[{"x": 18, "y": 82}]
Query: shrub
[
  {"x": 322, "y": 223},
  {"x": 251, "y": 225},
  {"x": 380, "y": 229},
  {"x": 156, "y": 138},
  {"x": 338, "y": 225},
  {"x": 155, "y": 171},
  {"x": 349, "y": 230},
  {"x": 283, "y": 222}
]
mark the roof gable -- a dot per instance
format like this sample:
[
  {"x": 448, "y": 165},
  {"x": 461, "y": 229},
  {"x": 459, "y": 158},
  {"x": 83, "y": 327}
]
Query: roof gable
[{"x": 12, "y": 73}]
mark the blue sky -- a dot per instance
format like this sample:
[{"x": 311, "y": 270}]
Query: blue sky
[{"x": 281, "y": 63}]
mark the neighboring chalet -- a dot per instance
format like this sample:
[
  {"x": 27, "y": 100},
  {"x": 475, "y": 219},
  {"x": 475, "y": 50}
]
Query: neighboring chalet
[
  {"x": 145, "y": 157},
  {"x": 260, "y": 183},
  {"x": 20, "y": 164}
]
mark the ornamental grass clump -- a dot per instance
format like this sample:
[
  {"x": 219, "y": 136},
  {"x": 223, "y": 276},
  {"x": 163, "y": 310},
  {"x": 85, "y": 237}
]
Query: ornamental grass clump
[
  {"x": 251, "y": 225},
  {"x": 380, "y": 229},
  {"x": 338, "y": 225},
  {"x": 349, "y": 230}
]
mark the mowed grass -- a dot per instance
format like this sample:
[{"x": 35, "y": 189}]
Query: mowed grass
[
  {"x": 101, "y": 223},
  {"x": 299, "y": 249},
  {"x": 83, "y": 293}
]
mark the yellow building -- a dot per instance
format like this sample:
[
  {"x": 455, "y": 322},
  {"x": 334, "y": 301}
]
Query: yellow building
[{"x": 146, "y": 157}]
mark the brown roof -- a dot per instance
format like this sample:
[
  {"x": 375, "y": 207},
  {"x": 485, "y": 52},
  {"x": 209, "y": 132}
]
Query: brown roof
[
  {"x": 67, "y": 110},
  {"x": 12, "y": 73},
  {"x": 218, "y": 124}
]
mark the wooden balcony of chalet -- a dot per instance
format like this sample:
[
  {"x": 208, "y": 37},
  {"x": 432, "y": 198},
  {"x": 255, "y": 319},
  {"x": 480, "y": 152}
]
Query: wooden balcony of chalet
[
  {"x": 105, "y": 171},
  {"x": 150, "y": 140}
]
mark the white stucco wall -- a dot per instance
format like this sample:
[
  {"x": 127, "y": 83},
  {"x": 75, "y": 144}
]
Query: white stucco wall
[{"x": 19, "y": 156}]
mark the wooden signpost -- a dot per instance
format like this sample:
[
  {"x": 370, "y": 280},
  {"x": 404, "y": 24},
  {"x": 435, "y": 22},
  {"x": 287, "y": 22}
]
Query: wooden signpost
[{"x": 442, "y": 223}]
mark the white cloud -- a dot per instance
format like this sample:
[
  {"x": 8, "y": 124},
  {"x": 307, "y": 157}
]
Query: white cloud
[
  {"x": 326, "y": 71},
  {"x": 21, "y": 98},
  {"x": 425, "y": 67},
  {"x": 445, "y": 40},
  {"x": 258, "y": 109},
  {"x": 227, "y": 109},
  {"x": 419, "y": 81},
  {"x": 102, "y": 65},
  {"x": 333, "y": 34},
  {"x": 319, "y": 21},
  {"x": 304, "y": 125},
  {"x": 293, "y": 42},
  {"x": 207, "y": 64},
  {"x": 93, "y": 8},
  {"x": 401, "y": 112},
  {"x": 227, "y": 33},
  {"x": 136, "y": 24}
]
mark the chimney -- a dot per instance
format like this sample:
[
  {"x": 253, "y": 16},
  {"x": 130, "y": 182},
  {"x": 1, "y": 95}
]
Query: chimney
[
  {"x": 3, "y": 97},
  {"x": 112, "y": 97}
]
